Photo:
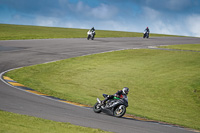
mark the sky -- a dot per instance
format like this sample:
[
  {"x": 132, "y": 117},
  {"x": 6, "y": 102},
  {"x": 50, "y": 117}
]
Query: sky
[{"x": 176, "y": 17}]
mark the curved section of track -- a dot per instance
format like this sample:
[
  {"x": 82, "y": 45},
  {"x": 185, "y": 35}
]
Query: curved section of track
[{"x": 22, "y": 53}]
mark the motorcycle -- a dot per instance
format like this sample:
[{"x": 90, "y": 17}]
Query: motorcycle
[
  {"x": 146, "y": 34},
  {"x": 91, "y": 35},
  {"x": 117, "y": 106}
]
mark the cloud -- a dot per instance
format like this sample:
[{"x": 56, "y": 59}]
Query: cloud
[
  {"x": 35, "y": 7},
  {"x": 162, "y": 27},
  {"x": 104, "y": 11},
  {"x": 163, "y": 23},
  {"x": 177, "y": 4},
  {"x": 193, "y": 26},
  {"x": 168, "y": 5},
  {"x": 179, "y": 17},
  {"x": 150, "y": 13},
  {"x": 121, "y": 25},
  {"x": 47, "y": 21},
  {"x": 160, "y": 22},
  {"x": 173, "y": 5},
  {"x": 101, "y": 11}
]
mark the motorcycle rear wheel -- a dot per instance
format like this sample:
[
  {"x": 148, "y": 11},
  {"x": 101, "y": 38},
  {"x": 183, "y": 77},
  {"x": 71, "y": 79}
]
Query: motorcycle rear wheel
[
  {"x": 119, "y": 111},
  {"x": 97, "y": 108}
]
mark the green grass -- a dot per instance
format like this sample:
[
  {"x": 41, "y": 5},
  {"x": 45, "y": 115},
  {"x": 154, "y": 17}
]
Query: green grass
[
  {"x": 20, "y": 32},
  {"x": 164, "y": 85},
  {"x": 194, "y": 47},
  {"x": 15, "y": 123}
]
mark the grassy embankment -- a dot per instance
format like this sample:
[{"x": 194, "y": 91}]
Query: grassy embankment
[
  {"x": 15, "y": 123},
  {"x": 193, "y": 47},
  {"x": 164, "y": 85},
  {"x": 19, "y": 32}
]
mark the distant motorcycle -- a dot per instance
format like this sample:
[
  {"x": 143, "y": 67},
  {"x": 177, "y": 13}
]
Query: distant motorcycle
[
  {"x": 117, "y": 106},
  {"x": 91, "y": 35},
  {"x": 146, "y": 34}
]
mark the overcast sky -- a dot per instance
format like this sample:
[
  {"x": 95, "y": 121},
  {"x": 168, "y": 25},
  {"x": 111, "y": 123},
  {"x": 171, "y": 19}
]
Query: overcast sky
[{"x": 178, "y": 17}]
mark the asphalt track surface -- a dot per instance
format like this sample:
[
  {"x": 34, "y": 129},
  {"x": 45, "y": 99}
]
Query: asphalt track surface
[{"x": 20, "y": 53}]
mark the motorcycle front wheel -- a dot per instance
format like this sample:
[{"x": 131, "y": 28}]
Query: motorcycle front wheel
[
  {"x": 97, "y": 108},
  {"x": 119, "y": 111},
  {"x": 88, "y": 37}
]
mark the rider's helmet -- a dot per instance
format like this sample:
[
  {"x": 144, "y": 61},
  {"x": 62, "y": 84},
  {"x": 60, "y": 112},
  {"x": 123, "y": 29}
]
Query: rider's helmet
[
  {"x": 147, "y": 28},
  {"x": 125, "y": 90}
]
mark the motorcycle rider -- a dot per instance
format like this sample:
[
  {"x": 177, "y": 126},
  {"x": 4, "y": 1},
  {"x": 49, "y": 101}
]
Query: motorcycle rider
[
  {"x": 118, "y": 94},
  {"x": 146, "y": 33},
  {"x": 147, "y": 30},
  {"x": 92, "y": 29}
]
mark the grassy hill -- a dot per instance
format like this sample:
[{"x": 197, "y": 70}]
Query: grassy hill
[{"x": 20, "y": 32}]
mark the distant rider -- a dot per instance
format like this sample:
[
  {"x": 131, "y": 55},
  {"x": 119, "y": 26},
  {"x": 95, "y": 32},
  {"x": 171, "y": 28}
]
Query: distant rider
[
  {"x": 118, "y": 94},
  {"x": 92, "y": 29},
  {"x": 146, "y": 33},
  {"x": 147, "y": 30}
]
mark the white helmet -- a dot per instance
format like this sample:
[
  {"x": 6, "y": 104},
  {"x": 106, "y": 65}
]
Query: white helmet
[{"x": 125, "y": 90}]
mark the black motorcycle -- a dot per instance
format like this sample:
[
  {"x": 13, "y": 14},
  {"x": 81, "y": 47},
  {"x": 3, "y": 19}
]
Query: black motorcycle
[
  {"x": 146, "y": 35},
  {"x": 117, "y": 106}
]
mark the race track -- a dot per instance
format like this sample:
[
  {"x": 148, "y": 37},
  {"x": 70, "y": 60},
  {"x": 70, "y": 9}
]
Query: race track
[{"x": 20, "y": 53}]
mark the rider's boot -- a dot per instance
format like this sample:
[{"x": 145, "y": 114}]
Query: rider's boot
[{"x": 104, "y": 101}]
